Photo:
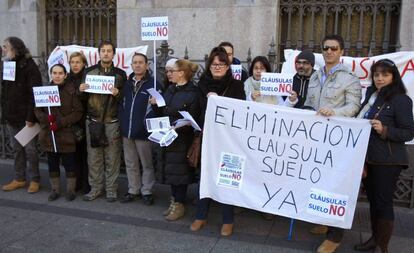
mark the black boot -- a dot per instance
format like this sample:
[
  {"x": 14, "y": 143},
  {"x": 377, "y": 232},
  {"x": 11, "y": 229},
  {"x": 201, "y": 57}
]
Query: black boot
[
  {"x": 366, "y": 246},
  {"x": 384, "y": 232}
]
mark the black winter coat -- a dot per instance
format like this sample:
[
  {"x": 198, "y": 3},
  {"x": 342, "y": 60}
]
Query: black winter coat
[
  {"x": 179, "y": 98},
  {"x": 17, "y": 101},
  {"x": 396, "y": 116}
]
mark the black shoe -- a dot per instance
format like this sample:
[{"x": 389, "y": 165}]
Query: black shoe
[
  {"x": 70, "y": 196},
  {"x": 129, "y": 197},
  {"x": 53, "y": 196},
  {"x": 148, "y": 199}
]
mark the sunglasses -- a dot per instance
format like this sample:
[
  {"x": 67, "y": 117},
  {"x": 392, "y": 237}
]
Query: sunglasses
[{"x": 333, "y": 48}]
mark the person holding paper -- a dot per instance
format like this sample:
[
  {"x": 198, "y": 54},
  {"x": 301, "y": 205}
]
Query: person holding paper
[
  {"x": 217, "y": 80},
  {"x": 104, "y": 159},
  {"x": 17, "y": 104},
  {"x": 333, "y": 91},
  {"x": 389, "y": 109},
  {"x": 304, "y": 69},
  {"x": 233, "y": 60},
  {"x": 133, "y": 110},
  {"x": 78, "y": 63},
  {"x": 260, "y": 65},
  {"x": 59, "y": 121},
  {"x": 183, "y": 96}
]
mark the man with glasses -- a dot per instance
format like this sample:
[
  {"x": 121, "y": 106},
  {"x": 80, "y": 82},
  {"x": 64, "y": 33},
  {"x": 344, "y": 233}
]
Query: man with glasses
[
  {"x": 333, "y": 91},
  {"x": 304, "y": 66}
]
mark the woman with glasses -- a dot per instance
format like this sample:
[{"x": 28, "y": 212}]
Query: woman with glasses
[
  {"x": 169, "y": 66},
  {"x": 59, "y": 122},
  {"x": 183, "y": 96},
  {"x": 260, "y": 65},
  {"x": 217, "y": 80},
  {"x": 390, "y": 112}
]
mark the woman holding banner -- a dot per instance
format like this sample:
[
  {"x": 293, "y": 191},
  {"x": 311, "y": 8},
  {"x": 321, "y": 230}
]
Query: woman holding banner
[
  {"x": 183, "y": 96},
  {"x": 217, "y": 80},
  {"x": 260, "y": 65},
  {"x": 59, "y": 121},
  {"x": 78, "y": 63},
  {"x": 390, "y": 112}
]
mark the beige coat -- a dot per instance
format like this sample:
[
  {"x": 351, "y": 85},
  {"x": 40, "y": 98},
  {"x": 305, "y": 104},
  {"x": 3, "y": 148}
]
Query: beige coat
[{"x": 341, "y": 92}]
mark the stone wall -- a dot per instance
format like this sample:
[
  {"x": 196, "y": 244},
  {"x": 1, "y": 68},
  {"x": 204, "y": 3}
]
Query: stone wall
[
  {"x": 406, "y": 26},
  {"x": 201, "y": 25},
  {"x": 24, "y": 19}
]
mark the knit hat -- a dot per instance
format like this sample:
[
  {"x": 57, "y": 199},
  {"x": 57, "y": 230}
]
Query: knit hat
[
  {"x": 170, "y": 63},
  {"x": 307, "y": 55}
]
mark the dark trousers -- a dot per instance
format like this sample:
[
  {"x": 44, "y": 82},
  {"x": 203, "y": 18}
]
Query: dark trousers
[
  {"x": 380, "y": 185},
  {"x": 68, "y": 161},
  {"x": 82, "y": 166},
  {"x": 335, "y": 234},
  {"x": 179, "y": 192},
  {"x": 203, "y": 205}
]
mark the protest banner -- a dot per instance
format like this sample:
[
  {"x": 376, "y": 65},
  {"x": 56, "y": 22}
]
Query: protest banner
[
  {"x": 99, "y": 84},
  {"x": 9, "y": 70},
  {"x": 279, "y": 160},
  {"x": 154, "y": 28},
  {"x": 276, "y": 84},
  {"x": 122, "y": 59},
  {"x": 361, "y": 66},
  {"x": 47, "y": 96},
  {"x": 236, "y": 70}
]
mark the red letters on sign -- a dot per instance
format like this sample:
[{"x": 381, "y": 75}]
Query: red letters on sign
[
  {"x": 53, "y": 98},
  {"x": 335, "y": 210},
  {"x": 162, "y": 31},
  {"x": 408, "y": 67}
]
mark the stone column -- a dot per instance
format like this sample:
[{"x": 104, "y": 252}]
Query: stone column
[
  {"x": 406, "y": 26},
  {"x": 25, "y": 19}
]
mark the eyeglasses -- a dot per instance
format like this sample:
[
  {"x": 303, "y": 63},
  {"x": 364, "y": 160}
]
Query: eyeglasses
[
  {"x": 302, "y": 63},
  {"x": 173, "y": 70},
  {"x": 220, "y": 66},
  {"x": 333, "y": 48}
]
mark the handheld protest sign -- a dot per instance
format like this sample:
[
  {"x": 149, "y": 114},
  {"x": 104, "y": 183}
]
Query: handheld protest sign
[
  {"x": 276, "y": 84},
  {"x": 9, "y": 70},
  {"x": 47, "y": 96},
  {"x": 100, "y": 84},
  {"x": 236, "y": 70},
  {"x": 154, "y": 28}
]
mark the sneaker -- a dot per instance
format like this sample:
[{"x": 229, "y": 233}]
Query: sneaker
[
  {"x": 111, "y": 199},
  {"x": 177, "y": 212},
  {"x": 53, "y": 196},
  {"x": 33, "y": 187},
  {"x": 92, "y": 195},
  {"x": 13, "y": 185},
  {"x": 129, "y": 197},
  {"x": 148, "y": 199}
]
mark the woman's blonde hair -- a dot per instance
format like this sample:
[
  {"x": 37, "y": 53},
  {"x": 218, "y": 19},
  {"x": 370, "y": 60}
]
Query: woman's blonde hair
[
  {"x": 189, "y": 68},
  {"x": 79, "y": 54}
]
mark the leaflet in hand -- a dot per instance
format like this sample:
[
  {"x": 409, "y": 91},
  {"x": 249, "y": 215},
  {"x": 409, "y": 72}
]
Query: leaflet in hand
[
  {"x": 158, "y": 97},
  {"x": 164, "y": 138},
  {"x": 190, "y": 118},
  {"x": 158, "y": 124}
]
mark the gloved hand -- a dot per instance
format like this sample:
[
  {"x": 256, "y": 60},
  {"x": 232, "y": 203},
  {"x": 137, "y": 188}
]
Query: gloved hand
[
  {"x": 53, "y": 127},
  {"x": 51, "y": 118}
]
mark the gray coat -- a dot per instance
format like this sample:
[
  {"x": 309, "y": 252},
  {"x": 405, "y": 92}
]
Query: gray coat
[{"x": 341, "y": 92}]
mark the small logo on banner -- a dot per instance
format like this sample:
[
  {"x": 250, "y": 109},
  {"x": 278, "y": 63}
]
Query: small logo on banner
[
  {"x": 231, "y": 170},
  {"x": 327, "y": 205}
]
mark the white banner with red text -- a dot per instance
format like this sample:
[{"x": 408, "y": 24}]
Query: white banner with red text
[
  {"x": 122, "y": 58},
  {"x": 283, "y": 161}
]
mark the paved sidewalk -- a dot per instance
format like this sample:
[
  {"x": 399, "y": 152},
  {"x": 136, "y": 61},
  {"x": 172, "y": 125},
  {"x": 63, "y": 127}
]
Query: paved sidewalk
[{"x": 32, "y": 224}]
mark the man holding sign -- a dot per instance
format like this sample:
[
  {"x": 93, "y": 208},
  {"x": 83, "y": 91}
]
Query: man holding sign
[
  {"x": 333, "y": 91},
  {"x": 104, "y": 158},
  {"x": 18, "y": 111}
]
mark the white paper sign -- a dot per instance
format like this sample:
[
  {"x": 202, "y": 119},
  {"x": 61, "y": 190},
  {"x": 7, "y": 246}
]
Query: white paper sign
[
  {"x": 236, "y": 70},
  {"x": 190, "y": 118},
  {"x": 100, "y": 84},
  {"x": 158, "y": 124},
  {"x": 158, "y": 97},
  {"x": 276, "y": 84},
  {"x": 283, "y": 161},
  {"x": 25, "y": 135},
  {"x": 154, "y": 28},
  {"x": 9, "y": 70},
  {"x": 122, "y": 58},
  {"x": 45, "y": 96}
]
